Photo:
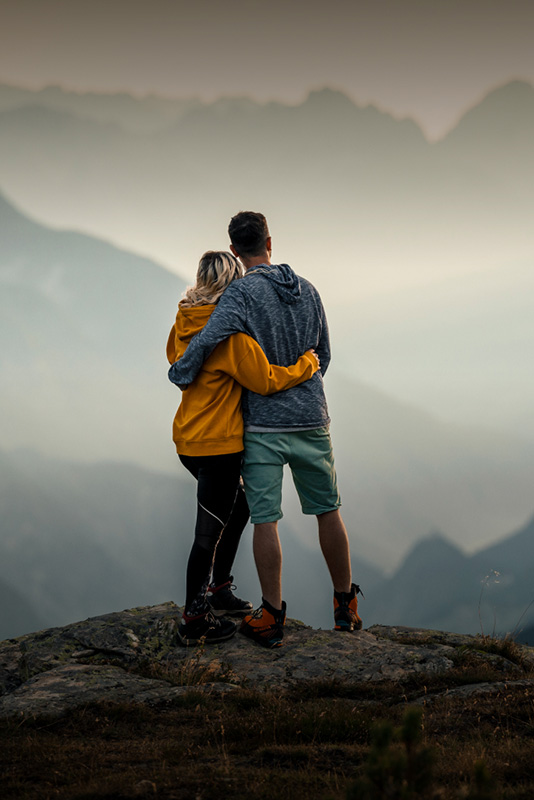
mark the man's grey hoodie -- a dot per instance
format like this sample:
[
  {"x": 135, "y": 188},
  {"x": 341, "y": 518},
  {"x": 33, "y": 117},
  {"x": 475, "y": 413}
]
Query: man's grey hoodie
[{"x": 285, "y": 315}]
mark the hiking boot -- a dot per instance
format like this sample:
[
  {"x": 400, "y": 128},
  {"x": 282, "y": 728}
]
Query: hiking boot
[
  {"x": 205, "y": 628},
  {"x": 346, "y": 610},
  {"x": 223, "y": 601},
  {"x": 265, "y": 626}
]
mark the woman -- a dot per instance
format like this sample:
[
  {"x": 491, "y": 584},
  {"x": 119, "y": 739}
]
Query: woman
[{"x": 208, "y": 433}]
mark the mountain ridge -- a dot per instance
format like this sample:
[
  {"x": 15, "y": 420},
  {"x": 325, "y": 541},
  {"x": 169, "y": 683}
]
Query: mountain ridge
[
  {"x": 104, "y": 394},
  {"x": 514, "y": 92},
  {"x": 118, "y": 106},
  {"x": 361, "y": 175},
  {"x": 504, "y": 110},
  {"x": 439, "y": 584}
]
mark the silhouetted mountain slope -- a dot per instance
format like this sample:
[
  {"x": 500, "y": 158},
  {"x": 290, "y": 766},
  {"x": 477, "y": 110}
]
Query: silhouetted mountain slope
[
  {"x": 85, "y": 327},
  {"x": 347, "y": 190},
  {"x": 75, "y": 538},
  {"x": 140, "y": 114},
  {"x": 494, "y": 141},
  {"x": 439, "y": 586},
  {"x": 365, "y": 183},
  {"x": 116, "y": 299},
  {"x": 501, "y": 124},
  {"x": 67, "y": 131},
  {"x": 403, "y": 471},
  {"x": 513, "y": 551},
  {"x": 327, "y": 126}
]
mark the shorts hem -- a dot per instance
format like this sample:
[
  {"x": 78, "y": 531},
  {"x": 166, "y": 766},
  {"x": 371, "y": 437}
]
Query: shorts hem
[
  {"x": 260, "y": 518},
  {"x": 317, "y": 510}
]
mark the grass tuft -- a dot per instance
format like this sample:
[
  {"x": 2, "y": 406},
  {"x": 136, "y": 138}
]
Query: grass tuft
[
  {"x": 505, "y": 647},
  {"x": 259, "y": 745}
]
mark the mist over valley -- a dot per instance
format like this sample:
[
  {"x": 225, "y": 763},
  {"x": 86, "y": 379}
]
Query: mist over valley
[{"x": 423, "y": 254}]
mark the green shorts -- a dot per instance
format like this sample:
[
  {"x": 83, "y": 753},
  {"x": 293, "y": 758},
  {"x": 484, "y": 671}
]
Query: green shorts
[{"x": 311, "y": 460}]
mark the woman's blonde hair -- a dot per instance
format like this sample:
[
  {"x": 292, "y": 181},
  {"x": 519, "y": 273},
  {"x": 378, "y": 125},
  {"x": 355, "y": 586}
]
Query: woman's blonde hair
[{"x": 216, "y": 271}]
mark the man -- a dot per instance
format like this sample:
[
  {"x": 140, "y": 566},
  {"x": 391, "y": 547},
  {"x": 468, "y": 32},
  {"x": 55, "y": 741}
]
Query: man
[{"x": 284, "y": 313}]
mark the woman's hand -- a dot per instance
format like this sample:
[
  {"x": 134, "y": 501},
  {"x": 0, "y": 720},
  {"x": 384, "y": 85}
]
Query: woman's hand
[{"x": 314, "y": 354}]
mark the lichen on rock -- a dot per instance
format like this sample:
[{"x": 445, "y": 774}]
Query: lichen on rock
[{"x": 133, "y": 656}]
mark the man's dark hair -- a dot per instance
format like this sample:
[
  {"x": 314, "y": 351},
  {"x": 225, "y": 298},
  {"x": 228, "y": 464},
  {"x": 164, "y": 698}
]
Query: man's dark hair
[{"x": 248, "y": 233}]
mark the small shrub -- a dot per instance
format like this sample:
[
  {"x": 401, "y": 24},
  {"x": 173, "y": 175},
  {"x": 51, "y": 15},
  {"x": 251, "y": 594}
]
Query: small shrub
[
  {"x": 506, "y": 647},
  {"x": 483, "y": 784},
  {"x": 399, "y": 766}
]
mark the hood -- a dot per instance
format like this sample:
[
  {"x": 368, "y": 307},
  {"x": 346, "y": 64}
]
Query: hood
[
  {"x": 189, "y": 321},
  {"x": 284, "y": 280}
]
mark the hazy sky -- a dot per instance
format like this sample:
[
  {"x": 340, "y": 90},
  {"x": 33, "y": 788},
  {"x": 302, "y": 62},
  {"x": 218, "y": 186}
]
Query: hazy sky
[{"x": 430, "y": 59}]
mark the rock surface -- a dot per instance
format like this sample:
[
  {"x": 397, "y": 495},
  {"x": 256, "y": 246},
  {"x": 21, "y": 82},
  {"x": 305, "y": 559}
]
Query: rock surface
[{"x": 131, "y": 656}]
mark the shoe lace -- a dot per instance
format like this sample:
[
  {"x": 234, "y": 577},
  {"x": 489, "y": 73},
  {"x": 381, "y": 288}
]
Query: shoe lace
[
  {"x": 226, "y": 587},
  {"x": 345, "y": 602},
  {"x": 211, "y": 619}
]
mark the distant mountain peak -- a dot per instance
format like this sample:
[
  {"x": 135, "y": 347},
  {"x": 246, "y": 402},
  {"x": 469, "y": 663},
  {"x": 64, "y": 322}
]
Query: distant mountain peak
[
  {"x": 338, "y": 102},
  {"x": 517, "y": 89},
  {"x": 504, "y": 109},
  {"x": 432, "y": 550},
  {"x": 329, "y": 95},
  {"x": 512, "y": 100}
]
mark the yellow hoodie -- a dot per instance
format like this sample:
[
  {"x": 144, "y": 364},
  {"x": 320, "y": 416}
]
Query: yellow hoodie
[{"x": 209, "y": 419}]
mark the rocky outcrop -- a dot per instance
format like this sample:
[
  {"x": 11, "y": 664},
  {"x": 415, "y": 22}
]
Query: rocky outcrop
[{"x": 132, "y": 656}]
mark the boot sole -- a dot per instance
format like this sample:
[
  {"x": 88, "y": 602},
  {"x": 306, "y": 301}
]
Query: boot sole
[
  {"x": 225, "y": 612},
  {"x": 269, "y": 644},
  {"x": 205, "y": 639},
  {"x": 348, "y": 627}
]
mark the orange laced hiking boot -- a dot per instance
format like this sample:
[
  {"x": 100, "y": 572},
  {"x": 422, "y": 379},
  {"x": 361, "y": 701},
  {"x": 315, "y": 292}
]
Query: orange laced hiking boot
[
  {"x": 265, "y": 626},
  {"x": 346, "y": 610}
]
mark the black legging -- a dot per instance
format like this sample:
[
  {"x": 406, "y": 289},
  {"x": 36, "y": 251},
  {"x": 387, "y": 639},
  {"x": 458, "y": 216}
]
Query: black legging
[{"x": 222, "y": 513}]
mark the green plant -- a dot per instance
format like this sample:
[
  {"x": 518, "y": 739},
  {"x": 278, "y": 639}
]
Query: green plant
[
  {"x": 483, "y": 784},
  {"x": 399, "y": 766},
  {"x": 515, "y": 630},
  {"x": 505, "y": 647},
  {"x": 492, "y": 577}
]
